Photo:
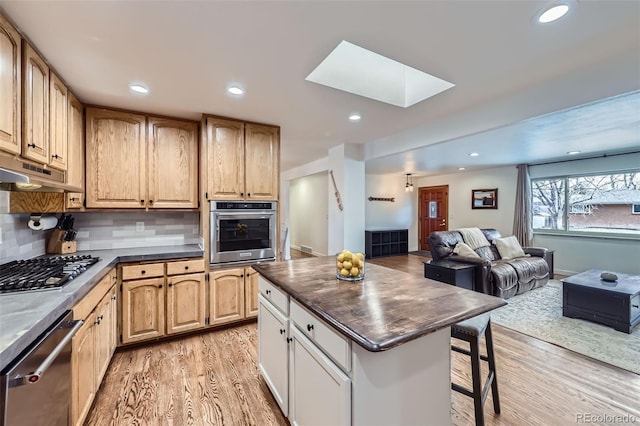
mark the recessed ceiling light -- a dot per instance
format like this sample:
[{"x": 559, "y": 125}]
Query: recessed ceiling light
[
  {"x": 139, "y": 88},
  {"x": 236, "y": 90},
  {"x": 573, "y": 152},
  {"x": 355, "y": 116},
  {"x": 473, "y": 154},
  {"x": 553, "y": 13},
  {"x": 460, "y": 168}
]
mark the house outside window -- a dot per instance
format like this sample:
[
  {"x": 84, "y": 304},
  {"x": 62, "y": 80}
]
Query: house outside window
[{"x": 589, "y": 204}]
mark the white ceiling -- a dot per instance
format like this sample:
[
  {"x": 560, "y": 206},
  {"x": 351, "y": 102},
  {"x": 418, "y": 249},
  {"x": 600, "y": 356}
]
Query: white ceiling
[{"x": 506, "y": 69}]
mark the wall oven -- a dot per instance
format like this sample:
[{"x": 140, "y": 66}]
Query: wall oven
[{"x": 242, "y": 231}]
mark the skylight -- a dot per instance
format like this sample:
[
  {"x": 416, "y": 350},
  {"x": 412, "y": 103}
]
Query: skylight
[{"x": 362, "y": 72}]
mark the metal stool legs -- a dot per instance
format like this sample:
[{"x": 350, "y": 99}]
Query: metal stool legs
[{"x": 479, "y": 393}]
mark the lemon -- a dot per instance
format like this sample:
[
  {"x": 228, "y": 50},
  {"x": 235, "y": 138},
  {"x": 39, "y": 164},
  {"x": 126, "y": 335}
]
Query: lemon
[
  {"x": 339, "y": 265},
  {"x": 356, "y": 262},
  {"x": 347, "y": 265},
  {"x": 354, "y": 271},
  {"x": 360, "y": 256},
  {"x": 340, "y": 257},
  {"x": 344, "y": 272},
  {"x": 347, "y": 254}
]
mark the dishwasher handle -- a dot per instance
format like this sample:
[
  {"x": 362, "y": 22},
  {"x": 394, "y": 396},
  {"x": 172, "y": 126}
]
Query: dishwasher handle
[{"x": 30, "y": 378}]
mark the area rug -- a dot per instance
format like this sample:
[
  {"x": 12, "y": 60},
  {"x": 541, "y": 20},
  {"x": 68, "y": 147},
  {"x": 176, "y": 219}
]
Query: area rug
[{"x": 538, "y": 313}]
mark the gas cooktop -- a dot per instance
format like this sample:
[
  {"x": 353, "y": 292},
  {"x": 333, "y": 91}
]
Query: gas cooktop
[{"x": 42, "y": 272}]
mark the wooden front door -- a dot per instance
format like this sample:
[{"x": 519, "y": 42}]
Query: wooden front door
[{"x": 433, "y": 211}]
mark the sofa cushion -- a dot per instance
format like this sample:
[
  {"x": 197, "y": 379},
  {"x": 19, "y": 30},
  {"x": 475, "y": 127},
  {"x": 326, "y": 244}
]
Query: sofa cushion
[
  {"x": 462, "y": 249},
  {"x": 486, "y": 253},
  {"x": 509, "y": 247}
]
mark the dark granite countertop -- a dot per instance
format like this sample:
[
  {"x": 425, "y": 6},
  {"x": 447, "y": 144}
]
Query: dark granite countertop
[
  {"x": 24, "y": 316},
  {"x": 386, "y": 309}
]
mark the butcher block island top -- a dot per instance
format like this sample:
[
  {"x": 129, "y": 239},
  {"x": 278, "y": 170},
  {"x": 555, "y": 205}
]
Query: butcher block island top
[{"x": 386, "y": 309}]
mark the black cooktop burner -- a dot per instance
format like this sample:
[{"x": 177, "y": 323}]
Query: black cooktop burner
[{"x": 42, "y": 272}]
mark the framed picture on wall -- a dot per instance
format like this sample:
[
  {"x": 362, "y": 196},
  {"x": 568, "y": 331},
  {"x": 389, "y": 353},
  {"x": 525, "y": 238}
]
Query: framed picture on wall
[{"x": 484, "y": 198}]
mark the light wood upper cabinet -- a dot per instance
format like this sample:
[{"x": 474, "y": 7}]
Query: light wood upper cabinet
[
  {"x": 250, "y": 292},
  {"x": 35, "y": 117},
  {"x": 75, "y": 152},
  {"x": 243, "y": 160},
  {"x": 226, "y": 295},
  {"x": 262, "y": 160},
  {"x": 173, "y": 163},
  {"x": 10, "y": 87},
  {"x": 58, "y": 109},
  {"x": 115, "y": 159},
  {"x": 185, "y": 303},
  {"x": 225, "y": 145},
  {"x": 143, "y": 309}
]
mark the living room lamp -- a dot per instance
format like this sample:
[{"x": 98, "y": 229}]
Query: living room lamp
[{"x": 408, "y": 187}]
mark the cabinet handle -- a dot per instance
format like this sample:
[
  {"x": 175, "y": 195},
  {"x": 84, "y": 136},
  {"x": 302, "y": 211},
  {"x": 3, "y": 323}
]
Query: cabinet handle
[
  {"x": 268, "y": 291},
  {"x": 241, "y": 275},
  {"x": 309, "y": 327},
  {"x": 101, "y": 317},
  {"x": 113, "y": 297},
  {"x": 282, "y": 331},
  {"x": 160, "y": 286},
  {"x": 289, "y": 339},
  {"x": 97, "y": 321},
  {"x": 31, "y": 145},
  {"x": 170, "y": 285},
  {"x": 635, "y": 306},
  {"x": 56, "y": 156},
  {"x": 248, "y": 194},
  {"x": 186, "y": 268},
  {"x": 150, "y": 201},
  {"x": 72, "y": 199},
  {"x": 242, "y": 194},
  {"x": 141, "y": 201}
]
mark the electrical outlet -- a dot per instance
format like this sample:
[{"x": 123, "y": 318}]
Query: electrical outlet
[{"x": 139, "y": 226}]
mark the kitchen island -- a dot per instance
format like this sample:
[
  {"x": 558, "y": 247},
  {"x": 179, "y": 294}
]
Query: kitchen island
[{"x": 373, "y": 352}]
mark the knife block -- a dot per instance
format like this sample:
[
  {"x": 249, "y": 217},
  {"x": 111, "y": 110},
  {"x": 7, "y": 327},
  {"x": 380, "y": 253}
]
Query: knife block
[{"x": 57, "y": 245}]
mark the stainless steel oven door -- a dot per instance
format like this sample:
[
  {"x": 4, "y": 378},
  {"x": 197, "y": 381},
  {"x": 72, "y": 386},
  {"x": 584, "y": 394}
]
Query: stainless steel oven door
[{"x": 241, "y": 236}]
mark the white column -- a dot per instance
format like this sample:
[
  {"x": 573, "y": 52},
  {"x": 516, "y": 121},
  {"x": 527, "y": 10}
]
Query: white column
[
  {"x": 346, "y": 227},
  {"x": 284, "y": 220}
]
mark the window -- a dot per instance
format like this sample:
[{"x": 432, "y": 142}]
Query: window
[{"x": 605, "y": 203}]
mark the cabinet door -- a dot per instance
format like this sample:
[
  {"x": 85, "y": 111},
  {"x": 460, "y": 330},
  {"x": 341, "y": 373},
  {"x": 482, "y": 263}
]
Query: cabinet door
[
  {"x": 75, "y": 144},
  {"x": 173, "y": 163},
  {"x": 115, "y": 159},
  {"x": 105, "y": 326},
  {"x": 250, "y": 292},
  {"x": 273, "y": 352},
  {"x": 262, "y": 162},
  {"x": 320, "y": 392},
  {"x": 58, "y": 108},
  {"x": 185, "y": 303},
  {"x": 225, "y": 147},
  {"x": 226, "y": 296},
  {"x": 35, "y": 114},
  {"x": 83, "y": 377},
  {"x": 10, "y": 87},
  {"x": 142, "y": 309}
]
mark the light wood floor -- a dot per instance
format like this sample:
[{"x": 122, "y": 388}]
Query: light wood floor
[{"x": 212, "y": 379}]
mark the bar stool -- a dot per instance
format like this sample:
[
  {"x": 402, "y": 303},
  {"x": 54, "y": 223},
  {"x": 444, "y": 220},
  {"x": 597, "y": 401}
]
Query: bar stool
[{"x": 472, "y": 331}]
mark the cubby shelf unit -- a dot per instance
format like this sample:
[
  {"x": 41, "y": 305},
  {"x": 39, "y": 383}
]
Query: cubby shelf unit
[{"x": 389, "y": 242}]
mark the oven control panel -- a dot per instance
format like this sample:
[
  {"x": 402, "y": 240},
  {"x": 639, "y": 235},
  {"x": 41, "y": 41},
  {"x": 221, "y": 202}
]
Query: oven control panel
[{"x": 241, "y": 205}]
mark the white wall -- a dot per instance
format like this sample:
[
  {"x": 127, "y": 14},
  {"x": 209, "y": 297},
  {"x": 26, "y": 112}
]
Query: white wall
[
  {"x": 400, "y": 214},
  {"x": 460, "y": 186},
  {"x": 308, "y": 197}
]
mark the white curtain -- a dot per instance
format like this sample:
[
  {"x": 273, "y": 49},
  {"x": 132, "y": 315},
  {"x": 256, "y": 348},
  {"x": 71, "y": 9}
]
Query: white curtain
[{"x": 522, "y": 217}]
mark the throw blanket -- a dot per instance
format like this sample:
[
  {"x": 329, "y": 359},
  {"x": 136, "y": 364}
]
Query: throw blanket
[{"x": 473, "y": 237}]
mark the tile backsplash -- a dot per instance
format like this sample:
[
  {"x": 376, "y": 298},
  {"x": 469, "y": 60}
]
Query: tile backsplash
[
  {"x": 99, "y": 230},
  {"x": 112, "y": 230},
  {"x": 17, "y": 240}
]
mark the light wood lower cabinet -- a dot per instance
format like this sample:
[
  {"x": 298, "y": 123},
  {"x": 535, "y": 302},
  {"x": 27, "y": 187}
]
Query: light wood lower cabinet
[
  {"x": 233, "y": 295},
  {"x": 93, "y": 345},
  {"x": 185, "y": 303},
  {"x": 142, "y": 309},
  {"x": 162, "y": 298}
]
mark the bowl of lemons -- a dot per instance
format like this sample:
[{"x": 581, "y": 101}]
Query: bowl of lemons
[{"x": 349, "y": 266}]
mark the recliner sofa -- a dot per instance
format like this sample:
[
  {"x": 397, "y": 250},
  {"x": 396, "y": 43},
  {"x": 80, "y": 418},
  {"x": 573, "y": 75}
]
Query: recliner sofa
[{"x": 494, "y": 275}]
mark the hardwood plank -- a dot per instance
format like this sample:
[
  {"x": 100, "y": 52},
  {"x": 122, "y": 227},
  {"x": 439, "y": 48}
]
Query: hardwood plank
[{"x": 212, "y": 379}]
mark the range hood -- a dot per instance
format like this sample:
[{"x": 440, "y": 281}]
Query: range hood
[{"x": 17, "y": 174}]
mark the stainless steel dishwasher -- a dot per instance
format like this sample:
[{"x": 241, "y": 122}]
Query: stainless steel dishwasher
[{"x": 35, "y": 389}]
